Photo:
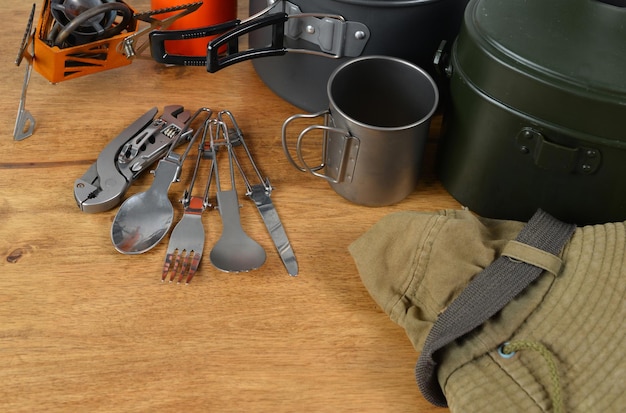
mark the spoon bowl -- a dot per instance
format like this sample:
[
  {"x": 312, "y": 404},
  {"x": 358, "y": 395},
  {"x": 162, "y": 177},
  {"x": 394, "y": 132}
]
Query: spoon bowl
[
  {"x": 235, "y": 251},
  {"x": 143, "y": 219}
]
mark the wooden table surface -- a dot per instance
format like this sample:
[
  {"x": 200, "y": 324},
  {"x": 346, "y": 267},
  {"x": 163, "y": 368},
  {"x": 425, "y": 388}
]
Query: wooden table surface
[{"x": 85, "y": 328}]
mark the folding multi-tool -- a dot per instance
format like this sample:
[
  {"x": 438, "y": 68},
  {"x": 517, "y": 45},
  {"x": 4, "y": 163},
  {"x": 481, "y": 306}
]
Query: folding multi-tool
[{"x": 133, "y": 151}]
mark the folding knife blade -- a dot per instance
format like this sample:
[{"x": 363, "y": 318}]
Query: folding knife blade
[{"x": 275, "y": 227}]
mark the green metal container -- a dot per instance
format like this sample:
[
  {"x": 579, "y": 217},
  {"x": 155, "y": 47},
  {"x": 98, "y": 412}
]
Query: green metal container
[{"x": 537, "y": 117}]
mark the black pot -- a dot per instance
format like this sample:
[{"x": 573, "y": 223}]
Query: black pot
[
  {"x": 538, "y": 111},
  {"x": 407, "y": 29},
  {"x": 297, "y": 44}
]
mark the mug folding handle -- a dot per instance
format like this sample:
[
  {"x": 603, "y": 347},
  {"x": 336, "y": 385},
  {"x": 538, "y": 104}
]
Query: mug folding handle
[{"x": 303, "y": 165}]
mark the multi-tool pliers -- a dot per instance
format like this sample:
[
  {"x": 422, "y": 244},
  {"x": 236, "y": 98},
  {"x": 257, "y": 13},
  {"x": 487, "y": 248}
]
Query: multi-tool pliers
[{"x": 104, "y": 184}]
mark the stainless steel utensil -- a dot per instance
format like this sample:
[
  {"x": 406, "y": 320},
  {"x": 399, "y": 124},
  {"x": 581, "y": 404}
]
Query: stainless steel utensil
[
  {"x": 235, "y": 251},
  {"x": 260, "y": 194},
  {"x": 187, "y": 240}
]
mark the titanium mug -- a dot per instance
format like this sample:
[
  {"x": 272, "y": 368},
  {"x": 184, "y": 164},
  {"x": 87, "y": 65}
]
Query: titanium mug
[{"x": 374, "y": 130}]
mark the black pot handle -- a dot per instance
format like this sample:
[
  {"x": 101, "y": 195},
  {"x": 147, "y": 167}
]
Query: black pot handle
[
  {"x": 215, "y": 61},
  {"x": 159, "y": 37}
]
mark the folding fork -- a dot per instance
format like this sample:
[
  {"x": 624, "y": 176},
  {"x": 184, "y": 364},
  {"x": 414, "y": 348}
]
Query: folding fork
[{"x": 186, "y": 244}]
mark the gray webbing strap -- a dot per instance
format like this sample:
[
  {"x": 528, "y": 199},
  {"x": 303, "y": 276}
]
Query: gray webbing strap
[{"x": 485, "y": 295}]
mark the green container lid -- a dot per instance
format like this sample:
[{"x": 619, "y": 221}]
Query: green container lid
[{"x": 563, "y": 61}]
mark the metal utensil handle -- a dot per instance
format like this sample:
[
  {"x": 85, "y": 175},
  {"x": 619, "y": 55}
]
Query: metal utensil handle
[
  {"x": 201, "y": 155},
  {"x": 236, "y": 139},
  {"x": 215, "y": 143}
]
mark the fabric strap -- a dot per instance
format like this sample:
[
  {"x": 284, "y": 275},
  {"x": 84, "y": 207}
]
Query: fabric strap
[{"x": 485, "y": 295}]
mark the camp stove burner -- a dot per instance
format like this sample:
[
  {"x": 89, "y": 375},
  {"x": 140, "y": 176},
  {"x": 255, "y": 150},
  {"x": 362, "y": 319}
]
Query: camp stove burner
[{"x": 82, "y": 21}]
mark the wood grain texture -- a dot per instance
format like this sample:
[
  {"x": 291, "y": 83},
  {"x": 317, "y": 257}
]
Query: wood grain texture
[{"x": 84, "y": 328}]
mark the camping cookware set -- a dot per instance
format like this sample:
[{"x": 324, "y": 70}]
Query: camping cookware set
[
  {"x": 533, "y": 94},
  {"x": 533, "y": 97}
]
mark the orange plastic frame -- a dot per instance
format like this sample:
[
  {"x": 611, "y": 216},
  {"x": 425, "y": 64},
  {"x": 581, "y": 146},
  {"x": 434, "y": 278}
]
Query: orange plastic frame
[{"x": 57, "y": 65}]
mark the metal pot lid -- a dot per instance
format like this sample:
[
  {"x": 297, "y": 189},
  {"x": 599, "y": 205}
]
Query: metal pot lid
[{"x": 562, "y": 60}]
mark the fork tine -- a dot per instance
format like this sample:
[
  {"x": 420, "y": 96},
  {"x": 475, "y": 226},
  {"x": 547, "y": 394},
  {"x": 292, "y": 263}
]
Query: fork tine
[
  {"x": 195, "y": 262},
  {"x": 186, "y": 261},
  {"x": 166, "y": 265},
  {"x": 176, "y": 265}
]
